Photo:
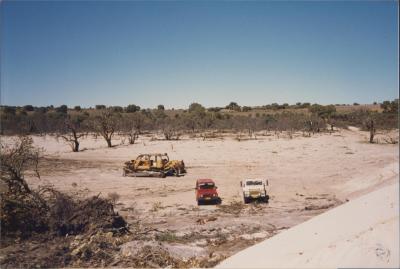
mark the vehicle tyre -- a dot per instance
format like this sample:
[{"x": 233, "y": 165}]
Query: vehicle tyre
[
  {"x": 266, "y": 199},
  {"x": 246, "y": 200},
  {"x": 198, "y": 202}
]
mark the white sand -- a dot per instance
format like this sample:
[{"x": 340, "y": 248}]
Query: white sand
[
  {"x": 361, "y": 233},
  {"x": 304, "y": 171}
]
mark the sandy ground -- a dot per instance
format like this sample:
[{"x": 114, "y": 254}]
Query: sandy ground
[
  {"x": 335, "y": 239},
  {"x": 317, "y": 172}
]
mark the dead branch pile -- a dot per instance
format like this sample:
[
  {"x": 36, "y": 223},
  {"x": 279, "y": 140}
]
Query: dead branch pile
[
  {"x": 48, "y": 210},
  {"x": 22, "y": 214},
  {"x": 44, "y": 227},
  {"x": 25, "y": 211},
  {"x": 73, "y": 215}
]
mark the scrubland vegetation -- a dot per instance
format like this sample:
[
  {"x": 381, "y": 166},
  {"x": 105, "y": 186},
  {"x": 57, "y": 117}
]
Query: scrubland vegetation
[{"x": 71, "y": 124}]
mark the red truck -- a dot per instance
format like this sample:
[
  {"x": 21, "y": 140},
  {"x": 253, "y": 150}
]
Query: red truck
[{"x": 206, "y": 192}]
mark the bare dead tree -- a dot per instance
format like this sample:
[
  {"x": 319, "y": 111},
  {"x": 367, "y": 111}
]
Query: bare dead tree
[
  {"x": 106, "y": 124},
  {"x": 131, "y": 133},
  {"x": 133, "y": 136},
  {"x": 73, "y": 131},
  {"x": 168, "y": 126},
  {"x": 372, "y": 130},
  {"x": 131, "y": 126}
]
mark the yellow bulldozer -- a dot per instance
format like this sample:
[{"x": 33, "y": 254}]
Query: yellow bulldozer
[{"x": 154, "y": 165}]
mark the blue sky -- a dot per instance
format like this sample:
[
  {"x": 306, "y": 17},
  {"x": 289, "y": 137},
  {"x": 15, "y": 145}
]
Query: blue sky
[{"x": 174, "y": 53}]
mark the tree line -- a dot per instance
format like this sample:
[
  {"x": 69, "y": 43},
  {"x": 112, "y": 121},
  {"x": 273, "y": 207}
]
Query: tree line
[{"x": 131, "y": 121}]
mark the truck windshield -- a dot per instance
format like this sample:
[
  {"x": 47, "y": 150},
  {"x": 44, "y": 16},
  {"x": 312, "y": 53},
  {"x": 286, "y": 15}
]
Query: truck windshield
[
  {"x": 207, "y": 186},
  {"x": 254, "y": 183}
]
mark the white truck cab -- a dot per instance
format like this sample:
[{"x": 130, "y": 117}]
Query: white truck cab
[{"x": 254, "y": 189}]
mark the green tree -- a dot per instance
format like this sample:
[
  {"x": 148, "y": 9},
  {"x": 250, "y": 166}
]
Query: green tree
[
  {"x": 390, "y": 106},
  {"x": 28, "y": 108},
  {"x": 233, "y": 106},
  {"x": 132, "y": 108},
  {"x": 100, "y": 107},
  {"x": 196, "y": 108},
  {"x": 62, "y": 109},
  {"x": 117, "y": 109},
  {"x": 246, "y": 108}
]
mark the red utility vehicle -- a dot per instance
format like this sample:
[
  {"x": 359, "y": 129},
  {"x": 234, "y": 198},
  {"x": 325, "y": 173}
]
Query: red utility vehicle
[{"x": 206, "y": 192}]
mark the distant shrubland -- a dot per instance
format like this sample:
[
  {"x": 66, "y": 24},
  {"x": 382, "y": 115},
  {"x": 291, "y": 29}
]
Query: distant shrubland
[{"x": 73, "y": 123}]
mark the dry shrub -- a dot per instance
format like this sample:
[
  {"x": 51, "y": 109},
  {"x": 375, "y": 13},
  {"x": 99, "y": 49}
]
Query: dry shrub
[
  {"x": 167, "y": 237},
  {"x": 171, "y": 133},
  {"x": 319, "y": 207},
  {"x": 157, "y": 257},
  {"x": 48, "y": 210},
  {"x": 114, "y": 197},
  {"x": 234, "y": 207},
  {"x": 156, "y": 206},
  {"x": 211, "y": 135},
  {"x": 15, "y": 160},
  {"x": 150, "y": 257}
]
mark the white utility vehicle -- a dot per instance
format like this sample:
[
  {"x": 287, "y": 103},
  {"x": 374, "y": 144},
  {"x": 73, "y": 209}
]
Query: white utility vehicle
[{"x": 254, "y": 189}]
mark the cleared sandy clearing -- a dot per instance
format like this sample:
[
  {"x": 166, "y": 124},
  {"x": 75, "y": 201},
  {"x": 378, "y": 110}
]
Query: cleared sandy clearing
[
  {"x": 361, "y": 233},
  {"x": 320, "y": 172},
  {"x": 341, "y": 164}
]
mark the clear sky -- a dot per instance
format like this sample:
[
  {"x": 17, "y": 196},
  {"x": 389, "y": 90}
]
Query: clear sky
[{"x": 174, "y": 53}]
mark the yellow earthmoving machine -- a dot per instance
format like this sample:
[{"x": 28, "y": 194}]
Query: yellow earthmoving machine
[{"x": 154, "y": 165}]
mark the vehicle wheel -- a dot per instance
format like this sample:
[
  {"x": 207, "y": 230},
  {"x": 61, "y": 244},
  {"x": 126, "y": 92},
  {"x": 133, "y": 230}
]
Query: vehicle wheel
[
  {"x": 246, "y": 200},
  {"x": 266, "y": 199},
  {"x": 198, "y": 203}
]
